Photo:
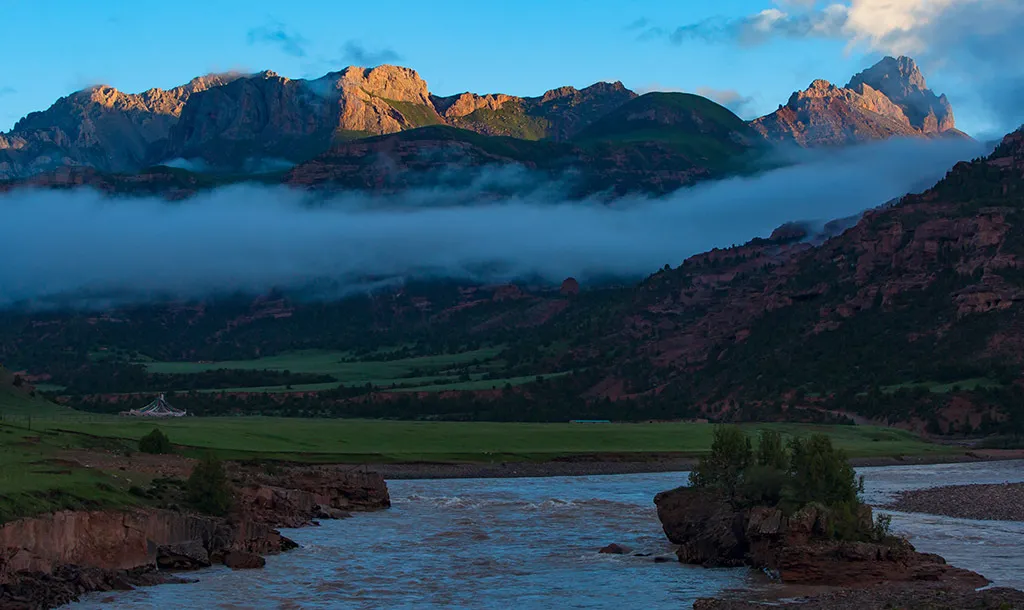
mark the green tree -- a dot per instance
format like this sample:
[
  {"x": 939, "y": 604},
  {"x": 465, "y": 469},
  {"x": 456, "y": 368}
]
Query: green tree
[
  {"x": 155, "y": 442},
  {"x": 723, "y": 468},
  {"x": 820, "y": 473},
  {"x": 208, "y": 489},
  {"x": 770, "y": 450}
]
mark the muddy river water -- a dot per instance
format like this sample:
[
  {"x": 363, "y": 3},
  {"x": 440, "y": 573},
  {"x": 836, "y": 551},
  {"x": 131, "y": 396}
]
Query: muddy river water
[{"x": 532, "y": 543}]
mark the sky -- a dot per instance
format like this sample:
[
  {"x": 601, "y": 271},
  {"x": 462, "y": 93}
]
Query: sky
[{"x": 748, "y": 54}]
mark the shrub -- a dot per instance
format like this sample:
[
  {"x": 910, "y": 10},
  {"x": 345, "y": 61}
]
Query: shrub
[
  {"x": 208, "y": 489},
  {"x": 883, "y": 526},
  {"x": 155, "y": 442},
  {"x": 762, "y": 486},
  {"x": 723, "y": 468}
]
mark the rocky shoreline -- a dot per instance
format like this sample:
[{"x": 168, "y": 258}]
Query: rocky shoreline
[
  {"x": 874, "y": 571},
  {"x": 51, "y": 560},
  {"x": 999, "y": 502}
]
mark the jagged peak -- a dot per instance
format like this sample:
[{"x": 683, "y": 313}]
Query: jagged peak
[{"x": 891, "y": 75}]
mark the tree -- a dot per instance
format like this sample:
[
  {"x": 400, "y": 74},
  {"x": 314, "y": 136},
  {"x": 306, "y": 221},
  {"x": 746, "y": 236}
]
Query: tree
[
  {"x": 770, "y": 450},
  {"x": 208, "y": 487},
  {"x": 723, "y": 468},
  {"x": 820, "y": 473},
  {"x": 155, "y": 442}
]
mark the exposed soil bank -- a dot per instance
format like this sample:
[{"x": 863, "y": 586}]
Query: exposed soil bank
[
  {"x": 50, "y": 560},
  {"x": 597, "y": 464},
  {"x": 1000, "y": 502}
]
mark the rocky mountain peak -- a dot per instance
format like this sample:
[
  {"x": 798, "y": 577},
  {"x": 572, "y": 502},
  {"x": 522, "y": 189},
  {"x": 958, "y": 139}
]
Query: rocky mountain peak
[
  {"x": 888, "y": 99},
  {"x": 389, "y": 82},
  {"x": 893, "y": 76},
  {"x": 901, "y": 81}
]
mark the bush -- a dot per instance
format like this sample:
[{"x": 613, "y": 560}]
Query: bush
[
  {"x": 208, "y": 489},
  {"x": 155, "y": 442},
  {"x": 723, "y": 468}
]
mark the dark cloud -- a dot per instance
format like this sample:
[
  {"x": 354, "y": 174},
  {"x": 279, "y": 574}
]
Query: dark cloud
[
  {"x": 358, "y": 55},
  {"x": 276, "y": 33},
  {"x": 251, "y": 238}
]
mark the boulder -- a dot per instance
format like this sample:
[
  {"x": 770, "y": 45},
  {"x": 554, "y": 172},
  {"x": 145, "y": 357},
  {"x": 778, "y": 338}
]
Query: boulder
[
  {"x": 329, "y": 512},
  {"x": 707, "y": 529},
  {"x": 241, "y": 560},
  {"x": 187, "y": 556},
  {"x": 616, "y": 549}
]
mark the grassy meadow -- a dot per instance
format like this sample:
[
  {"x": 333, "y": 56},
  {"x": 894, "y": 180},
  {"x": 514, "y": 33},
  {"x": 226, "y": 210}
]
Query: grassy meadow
[
  {"x": 36, "y": 436},
  {"x": 33, "y": 477},
  {"x": 462, "y": 371},
  {"x": 349, "y": 440}
]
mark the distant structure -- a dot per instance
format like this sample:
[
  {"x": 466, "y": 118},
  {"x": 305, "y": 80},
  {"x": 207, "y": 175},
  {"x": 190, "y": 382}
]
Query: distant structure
[
  {"x": 158, "y": 408},
  {"x": 590, "y": 421}
]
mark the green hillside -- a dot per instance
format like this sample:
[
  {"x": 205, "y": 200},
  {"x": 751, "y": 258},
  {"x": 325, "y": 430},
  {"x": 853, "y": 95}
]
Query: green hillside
[
  {"x": 690, "y": 124},
  {"x": 511, "y": 119}
]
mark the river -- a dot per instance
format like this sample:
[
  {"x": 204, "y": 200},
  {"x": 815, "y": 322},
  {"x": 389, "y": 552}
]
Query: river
[{"x": 532, "y": 543}]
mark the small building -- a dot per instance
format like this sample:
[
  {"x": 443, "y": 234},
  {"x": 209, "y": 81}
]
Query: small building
[{"x": 158, "y": 408}]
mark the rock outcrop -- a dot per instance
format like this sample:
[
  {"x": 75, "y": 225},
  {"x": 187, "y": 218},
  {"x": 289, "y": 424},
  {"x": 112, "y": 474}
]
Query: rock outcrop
[
  {"x": 267, "y": 116},
  {"x": 98, "y": 127},
  {"x": 560, "y": 114},
  {"x": 889, "y": 99},
  {"x": 298, "y": 496},
  {"x": 797, "y": 548}
]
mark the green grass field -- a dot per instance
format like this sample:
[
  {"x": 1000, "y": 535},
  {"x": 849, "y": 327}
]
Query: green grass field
[
  {"x": 342, "y": 440},
  {"x": 32, "y": 478},
  {"x": 935, "y": 387},
  {"x": 332, "y": 363},
  {"x": 431, "y": 373}
]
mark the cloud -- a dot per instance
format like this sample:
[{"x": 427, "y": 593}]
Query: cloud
[
  {"x": 358, "y": 55},
  {"x": 639, "y": 24},
  {"x": 276, "y": 33},
  {"x": 657, "y": 87},
  {"x": 252, "y": 238},
  {"x": 729, "y": 98},
  {"x": 7, "y": 91},
  {"x": 763, "y": 26}
]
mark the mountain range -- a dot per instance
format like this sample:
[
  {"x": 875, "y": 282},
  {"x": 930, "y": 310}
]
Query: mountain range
[
  {"x": 909, "y": 315},
  {"x": 332, "y": 131}
]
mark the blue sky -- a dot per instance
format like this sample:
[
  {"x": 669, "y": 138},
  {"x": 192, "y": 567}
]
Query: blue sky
[{"x": 526, "y": 47}]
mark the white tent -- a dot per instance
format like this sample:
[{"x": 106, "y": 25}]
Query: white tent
[{"x": 158, "y": 408}]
